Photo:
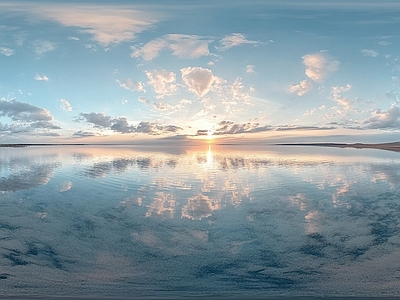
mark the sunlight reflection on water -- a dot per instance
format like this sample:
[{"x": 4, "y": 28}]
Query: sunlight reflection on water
[{"x": 209, "y": 221}]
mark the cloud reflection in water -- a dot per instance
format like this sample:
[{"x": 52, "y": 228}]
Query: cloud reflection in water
[
  {"x": 32, "y": 176},
  {"x": 208, "y": 220}
]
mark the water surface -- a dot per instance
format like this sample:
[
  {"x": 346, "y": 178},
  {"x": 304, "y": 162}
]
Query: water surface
[{"x": 207, "y": 221}]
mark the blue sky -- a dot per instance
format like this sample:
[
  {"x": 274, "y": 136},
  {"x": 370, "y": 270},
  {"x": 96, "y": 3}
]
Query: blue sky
[{"x": 136, "y": 71}]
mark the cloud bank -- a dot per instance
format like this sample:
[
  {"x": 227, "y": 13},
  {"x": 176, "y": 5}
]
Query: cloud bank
[
  {"x": 121, "y": 125},
  {"x": 26, "y": 118},
  {"x": 384, "y": 119}
]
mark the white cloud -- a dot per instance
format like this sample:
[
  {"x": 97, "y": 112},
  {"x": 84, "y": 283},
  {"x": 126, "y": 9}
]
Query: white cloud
[
  {"x": 384, "y": 119},
  {"x": 42, "y": 46},
  {"x": 41, "y": 78},
  {"x": 6, "y": 51},
  {"x": 169, "y": 108},
  {"x": 150, "y": 50},
  {"x": 91, "y": 46},
  {"x": 198, "y": 80},
  {"x": 106, "y": 23},
  {"x": 143, "y": 100},
  {"x": 250, "y": 69},
  {"x": 233, "y": 97},
  {"x": 302, "y": 88},
  {"x": 200, "y": 115},
  {"x": 181, "y": 45},
  {"x": 188, "y": 46},
  {"x": 344, "y": 105},
  {"x": 65, "y": 105},
  {"x": 234, "y": 40},
  {"x": 310, "y": 112},
  {"x": 163, "y": 82},
  {"x": 131, "y": 85},
  {"x": 336, "y": 94},
  {"x": 319, "y": 66},
  {"x": 383, "y": 43},
  {"x": 208, "y": 104},
  {"x": 369, "y": 52},
  {"x": 239, "y": 93}
]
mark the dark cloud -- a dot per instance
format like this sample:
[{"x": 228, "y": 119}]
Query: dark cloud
[
  {"x": 6, "y": 127},
  {"x": 171, "y": 128},
  {"x": 97, "y": 119},
  {"x": 283, "y": 128},
  {"x": 154, "y": 128},
  {"x": 13, "y": 129},
  {"x": 49, "y": 134},
  {"x": 228, "y": 127},
  {"x": 27, "y": 118},
  {"x": 81, "y": 133},
  {"x": 121, "y": 125},
  {"x": 202, "y": 132},
  {"x": 25, "y": 112},
  {"x": 44, "y": 124}
]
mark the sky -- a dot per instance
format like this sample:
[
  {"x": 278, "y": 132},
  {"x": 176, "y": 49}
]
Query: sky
[{"x": 181, "y": 71}]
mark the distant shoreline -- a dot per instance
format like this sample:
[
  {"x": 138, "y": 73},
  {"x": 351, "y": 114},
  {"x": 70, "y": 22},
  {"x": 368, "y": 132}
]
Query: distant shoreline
[
  {"x": 395, "y": 146},
  {"x": 383, "y": 146},
  {"x": 33, "y": 145}
]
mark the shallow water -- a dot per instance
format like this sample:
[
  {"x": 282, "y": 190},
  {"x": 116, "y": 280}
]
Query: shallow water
[{"x": 211, "y": 221}]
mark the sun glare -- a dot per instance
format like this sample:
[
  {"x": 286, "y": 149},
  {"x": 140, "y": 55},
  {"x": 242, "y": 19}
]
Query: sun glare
[{"x": 210, "y": 136}]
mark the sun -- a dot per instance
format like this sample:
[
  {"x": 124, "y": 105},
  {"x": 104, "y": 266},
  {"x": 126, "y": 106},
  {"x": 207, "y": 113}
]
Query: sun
[{"x": 210, "y": 136}]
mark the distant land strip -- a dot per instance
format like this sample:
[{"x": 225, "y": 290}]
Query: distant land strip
[
  {"x": 395, "y": 146},
  {"x": 29, "y": 145}
]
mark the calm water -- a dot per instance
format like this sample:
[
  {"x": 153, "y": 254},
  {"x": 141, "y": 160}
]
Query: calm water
[{"x": 208, "y": 221}]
